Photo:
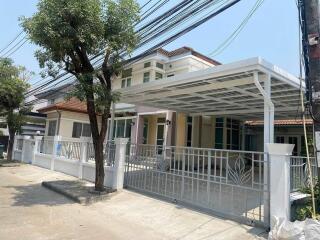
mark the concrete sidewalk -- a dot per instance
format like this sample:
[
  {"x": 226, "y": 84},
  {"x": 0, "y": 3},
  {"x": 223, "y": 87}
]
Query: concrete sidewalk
[{"x": 29, "y": 211}]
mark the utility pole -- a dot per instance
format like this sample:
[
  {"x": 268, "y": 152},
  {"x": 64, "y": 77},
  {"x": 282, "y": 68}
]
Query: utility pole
[{"x": 310, "y": 26}]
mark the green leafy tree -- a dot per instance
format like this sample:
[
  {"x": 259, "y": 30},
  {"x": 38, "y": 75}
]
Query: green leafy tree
[
  {"x": 13, "y": 86},
  {"x": 69, "y": 33}
]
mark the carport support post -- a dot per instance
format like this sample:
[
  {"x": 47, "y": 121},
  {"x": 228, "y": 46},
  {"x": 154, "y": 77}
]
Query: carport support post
[
  {"x": 268, "y": 132},
  {"x": 279, "y": 156},
  {"x": 119, "y": 163}
]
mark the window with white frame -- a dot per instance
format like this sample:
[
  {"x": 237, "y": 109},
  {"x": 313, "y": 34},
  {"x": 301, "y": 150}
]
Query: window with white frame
[
  {"x": 81, "y": 130},
  {"x": 147, "y": 64},
  {"x": 219, "y": 133},
  {"x": 170, "y": 75},
  {"x": 233, "y": 134},
  {"x": 159, "y": 65},
  {"x": 159, "y": 75},
  {"x": 126, "y": 82},
  {"x": 146, "y": 77},
  {"x": 52, "y": 128},
  {"x": 121, "y": 127},
  {"x": 126, "y": 78}
]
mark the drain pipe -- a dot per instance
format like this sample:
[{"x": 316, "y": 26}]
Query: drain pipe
[{"x": 59, "y": 121}]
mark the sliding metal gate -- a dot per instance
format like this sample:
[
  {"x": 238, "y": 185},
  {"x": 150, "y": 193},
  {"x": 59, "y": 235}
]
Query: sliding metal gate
[{"x": 233, "y": 184}]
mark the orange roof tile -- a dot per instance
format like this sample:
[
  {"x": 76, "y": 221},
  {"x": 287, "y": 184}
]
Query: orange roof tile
[
  {"x": 73, "y": 105},
  {"x": 286, "y": 122}
]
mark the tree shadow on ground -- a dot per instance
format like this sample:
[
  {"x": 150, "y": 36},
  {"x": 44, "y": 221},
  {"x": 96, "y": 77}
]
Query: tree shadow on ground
[{"x": 35, "y": 194}]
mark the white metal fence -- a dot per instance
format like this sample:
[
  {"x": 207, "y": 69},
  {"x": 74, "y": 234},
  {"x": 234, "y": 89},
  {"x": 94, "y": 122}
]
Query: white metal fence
[
  {"x": 69, "y": 150},
  {"x": 45, "y": 146},
  {"x": 231, "y": 183},
  {"x": 299, "y": 172},
  {"x": 19, "y": 144},
  {"x": 108, "y": 152}
]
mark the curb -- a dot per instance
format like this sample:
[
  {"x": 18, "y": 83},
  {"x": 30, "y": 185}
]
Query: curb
[{"x": 78, "y": 199}]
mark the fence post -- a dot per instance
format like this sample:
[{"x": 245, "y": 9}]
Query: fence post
[
  {"x": 119, "y": 163},
  {"x": 83, "y": 155},
  {"x": 279, "y": 157},
  {"x": 56, "y": 140},
  {"x": 37, "y": 142},
  {"x": 23, "y": 150}
]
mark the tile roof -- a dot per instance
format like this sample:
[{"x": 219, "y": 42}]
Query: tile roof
[
  {"x": 287, "y": 122},
  {"x": 182, "y": 50},
  {"x": 73, "y": 105}
]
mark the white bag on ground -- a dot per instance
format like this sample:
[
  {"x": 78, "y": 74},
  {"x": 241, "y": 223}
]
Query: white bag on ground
[
  {"x": 286, "y": 230},
  {"x": 312, "y": 229}
]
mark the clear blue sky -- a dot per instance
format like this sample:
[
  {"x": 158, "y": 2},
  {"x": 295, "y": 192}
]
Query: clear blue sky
[{"x": 271, "y": 33}]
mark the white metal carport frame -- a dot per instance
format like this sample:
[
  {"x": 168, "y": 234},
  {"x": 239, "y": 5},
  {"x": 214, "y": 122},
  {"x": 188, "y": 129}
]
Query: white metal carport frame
[{"x": 248, "y": 89}]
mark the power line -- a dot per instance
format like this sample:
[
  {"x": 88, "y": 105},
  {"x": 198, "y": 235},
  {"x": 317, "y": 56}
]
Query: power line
[
  {"x": 29, "y": 93},
  {"x": 13, "y": 40},
  {"x": 24, "y": 42},
  {"x": 172, "y": 38},
  {"x": 237, "y": 31},
  {"x": 17, "y": 44}
]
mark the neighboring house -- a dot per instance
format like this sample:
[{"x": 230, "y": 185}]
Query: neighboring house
[{"x": 184, "y": 98}]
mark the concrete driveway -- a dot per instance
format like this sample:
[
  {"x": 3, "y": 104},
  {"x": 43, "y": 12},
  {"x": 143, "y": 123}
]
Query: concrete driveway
[{"x": 29, "y": 211}]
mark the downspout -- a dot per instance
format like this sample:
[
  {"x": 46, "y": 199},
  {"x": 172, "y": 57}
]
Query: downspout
[{"x": 59, "y": 120}]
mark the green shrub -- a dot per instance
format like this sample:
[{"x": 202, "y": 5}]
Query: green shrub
[{"x": 305, "y": 211}]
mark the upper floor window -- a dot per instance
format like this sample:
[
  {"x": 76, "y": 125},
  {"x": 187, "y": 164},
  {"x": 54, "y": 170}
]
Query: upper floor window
[
  {"x": 51, "y": 101},
  {"x": 126, "y": 82},
  {"x": 147, "y": 64},
  {"x": 170, "y": 75},
  {"x": 52, "y": 127},
  {"x": 146, "y": 77},
  {"x": 81, "y": 130},
  {"x": 158, "y": 75},
  {"x": 159, "y": 65},
  {"x": 127, "y": 73}
]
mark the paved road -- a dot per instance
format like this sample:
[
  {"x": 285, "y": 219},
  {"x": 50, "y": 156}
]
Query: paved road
[{"x": 29, "y": 211}]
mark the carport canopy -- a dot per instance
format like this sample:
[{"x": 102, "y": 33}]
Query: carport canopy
[{"x": 249, "y": 89}]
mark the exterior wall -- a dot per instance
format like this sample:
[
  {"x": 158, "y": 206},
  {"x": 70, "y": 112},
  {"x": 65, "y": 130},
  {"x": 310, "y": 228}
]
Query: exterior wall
[
  {"x": 196, "y": 128},
  {"x": 181, "y": 129},
  {"x": 66, "y": 122},
  {"x": 152, "y": 129},
  {"x": 206, "y": 132},
  {"x": 175, "y": 65}
]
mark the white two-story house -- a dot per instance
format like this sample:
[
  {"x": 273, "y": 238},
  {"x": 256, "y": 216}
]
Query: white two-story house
[{"x": 185, "y": 98}]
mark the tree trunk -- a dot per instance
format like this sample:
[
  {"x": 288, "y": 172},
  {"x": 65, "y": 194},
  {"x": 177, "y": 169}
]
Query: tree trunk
[
  {"x": 10, "y": 145},
  {"x": 97, "y": 139},
  {"x": 99, "y": 159}
]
